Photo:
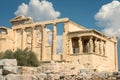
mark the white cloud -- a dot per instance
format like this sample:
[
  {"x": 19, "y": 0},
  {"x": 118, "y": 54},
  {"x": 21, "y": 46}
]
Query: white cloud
[
  {"x": 38, "y": 10},
  {"x": 109, "y": 18}
]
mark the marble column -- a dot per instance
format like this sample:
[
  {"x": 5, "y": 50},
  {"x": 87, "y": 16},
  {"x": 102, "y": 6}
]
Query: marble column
[
  {"x": 80, "y": 46},
  {"x": 54, "y": 35},
  {"x": 43, "y": 48},
  {"x": 91, "y": 45}
]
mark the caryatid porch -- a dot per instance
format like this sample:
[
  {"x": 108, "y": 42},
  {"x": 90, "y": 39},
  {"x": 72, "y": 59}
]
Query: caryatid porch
[
  {"x": 87, "y": 42},
  {"x": 27, "y": 32}
]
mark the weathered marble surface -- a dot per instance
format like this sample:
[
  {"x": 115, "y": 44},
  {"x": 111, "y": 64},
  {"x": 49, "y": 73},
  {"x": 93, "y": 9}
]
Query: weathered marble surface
[{"x": 52, "y": 71}]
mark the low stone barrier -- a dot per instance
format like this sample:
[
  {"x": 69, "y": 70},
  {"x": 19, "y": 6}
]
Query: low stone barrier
[{"x": 51, "y": 71}]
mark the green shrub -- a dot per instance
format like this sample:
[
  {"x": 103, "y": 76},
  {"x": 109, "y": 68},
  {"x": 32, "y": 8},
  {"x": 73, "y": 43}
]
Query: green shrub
[
  {"x": 8, "y": 54},
  {"x": 31, "y": 59},
  {"x": 20, "y": 56},
  {"x": 24, "y": 57}
]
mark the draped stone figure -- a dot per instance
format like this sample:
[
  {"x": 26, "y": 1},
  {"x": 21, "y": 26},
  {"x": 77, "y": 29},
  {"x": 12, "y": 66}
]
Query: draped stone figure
[
  {"x": 80, "y": 46},
  {"x": 90, "y": 45},
  {"x": 96, "y": 47},
  {"x": 87, "y": 48}
]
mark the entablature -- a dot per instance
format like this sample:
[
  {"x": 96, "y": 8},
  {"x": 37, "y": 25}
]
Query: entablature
[
  {"x": 89, "y": 32},
  {"x": 52, "y": 22}
]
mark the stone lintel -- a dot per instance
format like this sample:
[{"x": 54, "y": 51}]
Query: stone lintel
[{"x": 93, "y": 33}]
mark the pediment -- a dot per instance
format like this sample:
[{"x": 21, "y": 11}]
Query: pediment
[{"x": 21, "y": 17}]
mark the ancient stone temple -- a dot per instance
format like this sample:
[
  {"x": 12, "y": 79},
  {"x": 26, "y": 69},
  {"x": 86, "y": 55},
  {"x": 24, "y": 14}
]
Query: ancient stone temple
[{"x": 88, "y": 48}]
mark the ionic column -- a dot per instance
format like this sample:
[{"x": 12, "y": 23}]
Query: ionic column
[
  {"x": 54, "y": 41},
  {"x": 90, "y": 45},
  {"x": 43, "y": 48},
  {"x": 80, "y": 46}
]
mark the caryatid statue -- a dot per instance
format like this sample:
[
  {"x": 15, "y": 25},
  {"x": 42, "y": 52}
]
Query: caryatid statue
[
  {"x": 80, "y": 46},
  {"x": 91, "y": 45}
]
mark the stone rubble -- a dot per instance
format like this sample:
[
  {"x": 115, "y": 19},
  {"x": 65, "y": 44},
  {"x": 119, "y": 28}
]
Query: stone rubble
[{"x": 50, "y": 71}]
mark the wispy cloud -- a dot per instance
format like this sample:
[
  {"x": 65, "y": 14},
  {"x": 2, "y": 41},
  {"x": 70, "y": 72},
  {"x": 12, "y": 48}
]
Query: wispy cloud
[
  {"x": 38, "y": 10},
  {"x": 109, "y": 18}
]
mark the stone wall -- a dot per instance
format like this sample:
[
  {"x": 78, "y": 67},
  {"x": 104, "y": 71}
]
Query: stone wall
[{"x": 50, "y": 71}]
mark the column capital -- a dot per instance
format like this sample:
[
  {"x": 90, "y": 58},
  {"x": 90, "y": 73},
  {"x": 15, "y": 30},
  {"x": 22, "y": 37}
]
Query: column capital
[{"x": 91, "y": 37}]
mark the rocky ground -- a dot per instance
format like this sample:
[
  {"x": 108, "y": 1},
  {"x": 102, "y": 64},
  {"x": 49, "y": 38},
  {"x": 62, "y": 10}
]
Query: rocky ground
[{"x": 51, "y": 71}]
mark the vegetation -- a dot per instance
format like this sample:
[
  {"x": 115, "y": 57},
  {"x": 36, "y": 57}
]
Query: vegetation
[{"x": 24, "y": 57}]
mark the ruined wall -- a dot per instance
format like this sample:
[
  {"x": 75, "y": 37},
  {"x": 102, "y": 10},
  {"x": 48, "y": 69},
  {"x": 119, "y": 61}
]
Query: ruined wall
[
  {"x": 6, "y": 40},
  {"x": 111, "y": 54},
  {"x": 92, "y": 62}
]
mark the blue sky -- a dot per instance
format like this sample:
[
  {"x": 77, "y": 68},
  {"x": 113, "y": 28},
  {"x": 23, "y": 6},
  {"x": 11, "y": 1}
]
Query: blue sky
[
  {"x": 88, "y": 13},
  {"x": 80, "y": 11}
]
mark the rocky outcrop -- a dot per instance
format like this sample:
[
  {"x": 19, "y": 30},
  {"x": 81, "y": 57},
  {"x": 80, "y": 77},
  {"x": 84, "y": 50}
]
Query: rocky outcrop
[{"x": 51, "y": 71}]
